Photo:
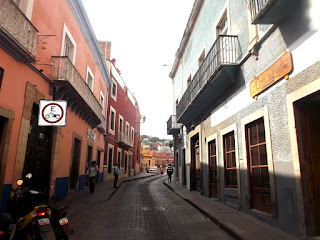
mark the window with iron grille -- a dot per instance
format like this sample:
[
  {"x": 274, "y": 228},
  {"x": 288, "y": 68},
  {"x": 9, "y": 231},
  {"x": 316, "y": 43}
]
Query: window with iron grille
[{"x": 230, "y": 160}]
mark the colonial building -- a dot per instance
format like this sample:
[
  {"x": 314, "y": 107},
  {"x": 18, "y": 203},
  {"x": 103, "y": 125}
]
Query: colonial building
[
  {"x": 48, "y": 51},
  {"x": 162, "y": 160},
  {"x": 147, "y": 159},
  {"x": 123, "y": 123},
  {"x": 246, "y": 115}
]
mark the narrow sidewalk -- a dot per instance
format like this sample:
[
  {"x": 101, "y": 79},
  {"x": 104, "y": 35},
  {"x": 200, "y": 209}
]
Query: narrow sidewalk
[{"x": 238, "y": 224}]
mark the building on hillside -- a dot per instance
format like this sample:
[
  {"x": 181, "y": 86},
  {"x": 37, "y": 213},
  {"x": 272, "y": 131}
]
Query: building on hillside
[
  {"x": 246, "y": 85},
  {"x": 147, "y": 160},
  {"x": 123, "y": 129},
  {"x": 162, "y": 160},
  {"x": 49, "y": 52}
]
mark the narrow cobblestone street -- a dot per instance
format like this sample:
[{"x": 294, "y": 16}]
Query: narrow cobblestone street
[{"x": 144, "y": 209}]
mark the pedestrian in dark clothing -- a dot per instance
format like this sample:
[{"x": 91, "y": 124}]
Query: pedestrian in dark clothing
[
  {"x": 116, "y": 175},
  {"x": 169, "y": 172},
  {"x": 92, "y": 174}
]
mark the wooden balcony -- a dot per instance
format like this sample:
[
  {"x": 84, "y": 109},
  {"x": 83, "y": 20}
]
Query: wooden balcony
[
  {"x": 212, "y": 79},
  {"x": 173, "y": 128},
  {"x": 273, "y": 11},
  {"x": 70, "y": 86},
  {"x": 125, "y": 139},
  {"x": 18, "y": 37}
]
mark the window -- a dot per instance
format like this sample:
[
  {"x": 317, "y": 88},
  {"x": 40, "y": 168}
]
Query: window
[
  {"x": 201, "y": 58},
  {"x": 119, "y": 157},
  {"x": 112, "y": 119},
  {"x": 127, "y": 129},
  {"x": 68, "y": 45},
  {"x": 222, "y": 27},
  {"x": 120, "y": 124},
  {"x": 1, "y": 76},
  {"x": 223, "y": 45},
  {"x": 189, "y": 80},
  {"x": 258, "y": 166},
  {"x": 25, "y": 6},
  {"x": 90, "y": 79},
  {"x": 132, "y": 132},
  {"x": 110, "y": 157},
  {"x": 230, "y": 160},
  {"x": 114, "y": 90},
  {"x": 101, "y": 100}
]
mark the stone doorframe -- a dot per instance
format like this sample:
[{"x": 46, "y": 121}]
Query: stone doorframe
[
  {"x": 291, "y": 99},
  {"x": 32, "y": 96}
]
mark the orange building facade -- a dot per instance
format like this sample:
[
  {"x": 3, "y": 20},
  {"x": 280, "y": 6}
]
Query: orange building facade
[{"x": 48, "y": 51}]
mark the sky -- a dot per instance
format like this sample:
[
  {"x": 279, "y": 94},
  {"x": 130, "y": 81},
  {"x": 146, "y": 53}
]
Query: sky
[{"x": 144, "y": 36}]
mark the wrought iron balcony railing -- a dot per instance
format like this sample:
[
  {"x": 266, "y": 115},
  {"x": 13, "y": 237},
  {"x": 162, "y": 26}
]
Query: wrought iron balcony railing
[
  {"x": 256, "y": 6},
  {"x": 173, "y": 128},
  {"x": 273, "y": 11},
  {"x": 224, "y": 52},
  {"x": 125, "y": 139},
  {"x": 70, "y": 85},
  {"x": 17, "y": 34}
]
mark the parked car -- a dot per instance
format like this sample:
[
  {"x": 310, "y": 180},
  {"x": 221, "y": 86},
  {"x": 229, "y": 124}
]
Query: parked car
[{"x": 153, "y": 169}]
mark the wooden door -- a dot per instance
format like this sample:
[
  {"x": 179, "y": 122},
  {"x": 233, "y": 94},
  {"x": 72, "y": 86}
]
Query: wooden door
[
  {"x": 213, "y": 170},
  {"x": 258, "y": 166},
  {"x": 309, "y": 151},
  {"x": 197, "y": 174}
]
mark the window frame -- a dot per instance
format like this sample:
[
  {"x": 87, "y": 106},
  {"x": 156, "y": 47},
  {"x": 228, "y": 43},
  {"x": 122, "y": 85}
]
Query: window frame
[
  {"x": 89, "y": 73},
  {"x": 112, "y": 110},
  {"x": 102, "y": 102},
  {"x": 120, "y": 128},
  {"x": 1, "y": 76},
  {"x": 132, "y": 132},
  {"x": 229, "y": 152},
  {"x": 67, "y": 33},
  {"x": 119, "y": 150},
  {"x": 127, "y": 133},
  {"x": 114, "y": 83},
  {"x": 201, "y": 58},
  {"x": 110, "y": 146}
]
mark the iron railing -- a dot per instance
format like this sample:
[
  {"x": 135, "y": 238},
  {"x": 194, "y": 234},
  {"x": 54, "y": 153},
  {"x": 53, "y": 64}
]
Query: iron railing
[
  {"x": 256, "y": 6},
  {"x": 172, "y": 123},
  {"x": 123, "y": 138},
  {"x": 64, "y": 70},
  {"x": 16, "y": 25},
  {"x": 224, "y": 51}
]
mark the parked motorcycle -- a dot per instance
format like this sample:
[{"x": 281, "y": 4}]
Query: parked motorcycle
[
  {"x": 31, "y": 216},
  {"x": 60, "y": 223}
]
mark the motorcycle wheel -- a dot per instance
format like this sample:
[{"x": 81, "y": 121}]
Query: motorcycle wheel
[
  {"x": 45, "y": 235},
  {"x": 60, "y": 235}
]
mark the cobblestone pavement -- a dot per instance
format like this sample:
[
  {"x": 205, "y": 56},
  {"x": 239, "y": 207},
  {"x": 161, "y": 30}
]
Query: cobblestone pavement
[{"x": 145, "y": 209}]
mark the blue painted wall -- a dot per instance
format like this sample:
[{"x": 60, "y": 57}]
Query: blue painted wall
[
  {"x": 81, "y": 182},
  {"x": 100, "y": 177},
  {"x": 61, "y": 189},
  {"x": 5, "y": 196}
]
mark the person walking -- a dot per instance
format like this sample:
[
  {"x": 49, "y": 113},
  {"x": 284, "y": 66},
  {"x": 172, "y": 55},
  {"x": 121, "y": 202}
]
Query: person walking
[
  {"x": 116, "y": 175},
  {"x": 169, "y": 172},
  {"x": 92, "y": 174}
]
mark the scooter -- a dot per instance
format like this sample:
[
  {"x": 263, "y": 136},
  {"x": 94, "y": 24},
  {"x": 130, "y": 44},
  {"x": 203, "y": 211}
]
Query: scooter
[
  {"x": 60, "y": 223},
  {"x": 30, "y": 213}
]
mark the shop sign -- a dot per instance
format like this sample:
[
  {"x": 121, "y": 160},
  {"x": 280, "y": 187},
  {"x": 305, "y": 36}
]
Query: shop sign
[
  {"x": 91, "y": 135},
  {"x": 278, "y": 70}
]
